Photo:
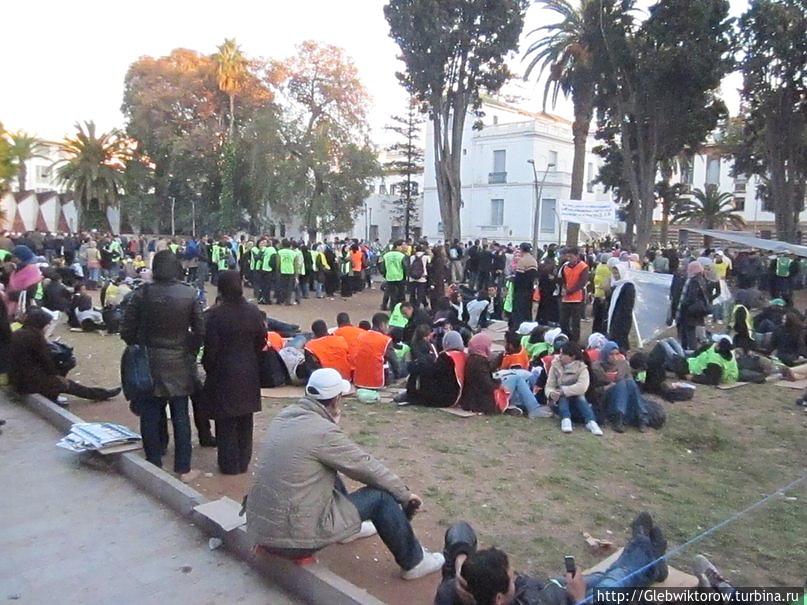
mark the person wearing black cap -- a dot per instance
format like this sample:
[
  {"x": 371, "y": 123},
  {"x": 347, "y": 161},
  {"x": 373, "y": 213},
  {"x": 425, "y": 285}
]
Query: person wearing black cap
[{"x": 523, "y": 281}]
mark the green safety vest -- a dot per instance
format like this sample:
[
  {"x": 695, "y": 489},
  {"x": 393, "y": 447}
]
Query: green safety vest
[
  {"x": 4, "y": 255},
  {"x": 393, "y": 265},
  {"x": 173, "y": 247},
  {"x": 256, "y": 257},
  {"x": 220, "y": 257},
  {"x": 398, "y": 319},
  {"x": 298, "y": 254},
  {"x": 748, "y": 322},
  {"x": 116, "y": 249},
  {"x": 268, "y": 254},
  {"x": 533, "y": 349},
  {"x": 783, "y": 266},
  {"x": 730, "y": 370},
  {"x": 403, "y": 352},
  {"x": 314, "y": 255},
  {"x": 40, "y": 292},
  {"x": 508, "y": 298},
  {"x": 286, "y": 261}
]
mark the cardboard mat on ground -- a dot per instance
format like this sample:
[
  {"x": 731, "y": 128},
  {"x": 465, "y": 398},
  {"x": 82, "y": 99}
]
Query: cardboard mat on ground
[{"x": 675, "y": 579}]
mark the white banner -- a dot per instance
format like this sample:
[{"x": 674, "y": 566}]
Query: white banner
[
  {"x": 652, "y": 303},
  {"x": 577, "y": 211}
]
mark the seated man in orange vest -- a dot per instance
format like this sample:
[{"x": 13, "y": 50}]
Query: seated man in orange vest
[
  {"x": 346, "y": 330},
  {"x": 574, "y": 279},
  {"x": 327, "y": 351},
  {"x": 373, "y": 357}
]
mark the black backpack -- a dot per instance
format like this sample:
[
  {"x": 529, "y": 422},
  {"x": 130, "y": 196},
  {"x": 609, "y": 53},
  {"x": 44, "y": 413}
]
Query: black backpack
[{"x": 416, "y": 268}]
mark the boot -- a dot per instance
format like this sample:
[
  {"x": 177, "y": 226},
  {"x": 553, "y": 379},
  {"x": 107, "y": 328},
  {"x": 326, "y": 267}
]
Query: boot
[
  {"x": 619, "y": 423},
  {"x": 91, "y": 393}
]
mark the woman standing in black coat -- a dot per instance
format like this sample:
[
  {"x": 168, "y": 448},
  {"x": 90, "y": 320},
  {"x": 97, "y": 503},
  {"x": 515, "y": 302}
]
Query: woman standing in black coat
[{"x": 235, "y": 335}]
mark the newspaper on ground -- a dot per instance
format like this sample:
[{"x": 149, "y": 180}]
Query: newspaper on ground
[{"x": 94, "y": 436}]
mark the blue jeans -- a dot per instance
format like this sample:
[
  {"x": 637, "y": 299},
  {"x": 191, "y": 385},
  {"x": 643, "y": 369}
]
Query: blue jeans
[
  {"x": 637, "y": 555},
  {"x": 393, "y": 527},
  {"x": 94, "y": 274},
  {"x": 152, "y": 419},
  {"x": 578, "y": 405},
  {"x": 624, "y": 398},
  {"x": 519, "y": 384}
]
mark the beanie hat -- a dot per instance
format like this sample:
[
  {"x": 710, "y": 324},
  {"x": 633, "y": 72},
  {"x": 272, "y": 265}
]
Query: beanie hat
[
  {"x": 608, "y": 348},
  {"x": 23, "y": 253}
]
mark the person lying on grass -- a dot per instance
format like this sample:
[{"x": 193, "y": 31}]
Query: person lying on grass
[
  {"x": 298, "y": 503},
  {"x": 484, "y": 577}
]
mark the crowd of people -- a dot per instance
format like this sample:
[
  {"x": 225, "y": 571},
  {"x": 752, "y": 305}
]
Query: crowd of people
[{"x": 430, "y": 338}]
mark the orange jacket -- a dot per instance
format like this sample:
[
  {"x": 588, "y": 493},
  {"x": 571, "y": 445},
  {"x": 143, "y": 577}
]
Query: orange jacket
[
  {"x": 368, "y": 359},
  {"x": 332, "y": 352},
  {"x": 350, "y": 334},
  {"x": 356, "y": 259},
  {"x": 571, "y": 279},
  {"x": 520, "y": 359},
  {"x": 459, "y": 358},
  {"x": 274, "y": 340}
]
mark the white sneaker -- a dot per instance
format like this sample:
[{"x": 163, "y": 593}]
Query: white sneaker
[
  {"x": 594, "y": 428},
  {"x": 432, "y": 562},
  {"x": 366, "y": 530},
  {"x": 566, "y": 425}
]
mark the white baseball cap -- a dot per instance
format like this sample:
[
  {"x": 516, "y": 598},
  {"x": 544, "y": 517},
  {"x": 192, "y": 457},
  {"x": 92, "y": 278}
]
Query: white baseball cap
[{"x": 326, "y": 383}]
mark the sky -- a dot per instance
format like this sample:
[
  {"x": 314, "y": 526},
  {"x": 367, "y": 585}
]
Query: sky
[{"x": 66, "y": 61}]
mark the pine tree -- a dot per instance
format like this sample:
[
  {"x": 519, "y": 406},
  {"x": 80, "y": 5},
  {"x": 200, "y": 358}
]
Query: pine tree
[{"x": 407, "y": 163}]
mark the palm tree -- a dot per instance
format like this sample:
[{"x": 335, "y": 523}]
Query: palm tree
[
  {"x": 231, "y": 67},
  {"x": 711, "y": 210},
  {"x": 93, "y": 166},
  {"x": 565, "y": 50},
  {"x": 24, "y": 147},
  {"x": 6, "y": 161}
]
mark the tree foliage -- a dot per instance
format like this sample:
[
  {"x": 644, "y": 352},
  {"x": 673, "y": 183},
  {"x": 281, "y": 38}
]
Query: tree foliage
[
  {"x": 406, "y": 163},
  {"x": 710, "y": 209},
  {"x": 325, "y": 136},
  {"x": 24, "y": 147},
  {"x": 656, "y": 96},
  {"x": 93, "y": 167},
  {"x": 564, "y": 52},
  {"x": 773, "y": 145},
  {"x": 453, "y": 51},
  {"x": 6, "y": 161}
]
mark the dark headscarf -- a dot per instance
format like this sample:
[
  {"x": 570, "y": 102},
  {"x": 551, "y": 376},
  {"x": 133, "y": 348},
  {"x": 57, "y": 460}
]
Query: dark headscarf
[
  {"x": 230, "y": 288},
  {"x": 165, "y": 266}
]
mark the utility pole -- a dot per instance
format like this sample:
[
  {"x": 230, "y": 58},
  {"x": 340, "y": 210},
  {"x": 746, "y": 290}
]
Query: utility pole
[
  {"x": 173, "y": 203},
  {"x": 539, "y": 189}
]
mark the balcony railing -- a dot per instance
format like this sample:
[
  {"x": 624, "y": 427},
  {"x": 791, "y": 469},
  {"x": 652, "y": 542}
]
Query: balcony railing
[{"x": 496, "y": 178}]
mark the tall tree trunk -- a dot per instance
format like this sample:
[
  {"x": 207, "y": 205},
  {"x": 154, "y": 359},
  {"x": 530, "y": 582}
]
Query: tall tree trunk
[
  {"x": 583, "y": 99},
  {"x": 232, "y": 116},
  {"x": 666, "y": 202},
  {"x": 22, "y": 175},
  {"x": 448, "y": 123}
]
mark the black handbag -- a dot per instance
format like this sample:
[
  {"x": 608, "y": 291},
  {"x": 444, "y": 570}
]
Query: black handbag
[{"x": 135, "y": 371}]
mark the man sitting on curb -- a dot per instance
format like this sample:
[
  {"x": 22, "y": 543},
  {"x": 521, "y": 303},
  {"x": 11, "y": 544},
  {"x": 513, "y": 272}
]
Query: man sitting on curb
[
  {"x": 298, "y": 504},
  {"x": 484, "y": 577}
]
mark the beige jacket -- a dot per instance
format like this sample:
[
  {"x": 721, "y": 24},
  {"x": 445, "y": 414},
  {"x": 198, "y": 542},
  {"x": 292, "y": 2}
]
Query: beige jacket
[
  {"x": 294, "y": 503},
  {"x": 568, "y": 380}
]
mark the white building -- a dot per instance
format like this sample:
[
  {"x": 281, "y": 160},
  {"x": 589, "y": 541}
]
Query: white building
[
  {"x": 710, "y": 168},
  {"x": 41, "y": 171},
  {"x": 498, "y": 183},
  {"x": 380, "y": 218}
]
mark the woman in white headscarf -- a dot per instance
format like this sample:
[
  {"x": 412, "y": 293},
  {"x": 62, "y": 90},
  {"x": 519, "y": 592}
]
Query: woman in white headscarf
[{"x": 620, "y": 310}]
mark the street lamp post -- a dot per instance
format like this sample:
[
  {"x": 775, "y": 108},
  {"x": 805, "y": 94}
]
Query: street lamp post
[
  {"x": 173, "y": 203},
  {"x": 539, "y": 189},
  {"x": 193, "y": 216}
]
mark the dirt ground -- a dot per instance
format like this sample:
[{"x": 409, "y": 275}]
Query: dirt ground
[{"x": 533, "y": 491}]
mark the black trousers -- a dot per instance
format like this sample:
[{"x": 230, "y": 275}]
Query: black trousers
[
  {"x": 600, "y": 311},
  {"x": 393, "y": 293},
  {"x": 285, "y": 288},
  {"x": 570, "y": 316},
  {"x": 234, "y": 442}
]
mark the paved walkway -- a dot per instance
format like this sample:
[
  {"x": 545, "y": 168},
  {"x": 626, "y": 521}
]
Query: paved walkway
[{"x": 71, "y": 533}]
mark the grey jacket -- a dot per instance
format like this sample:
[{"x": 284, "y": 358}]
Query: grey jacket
[
  {"x": 294, "y": 503},
  {"x": 167, "y": 318}
]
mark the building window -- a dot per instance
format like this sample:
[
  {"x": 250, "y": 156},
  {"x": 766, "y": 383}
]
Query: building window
[
  {"x": 590, "y": 183},
  {"x": 495, "y": 120},
  {"x": 553, "y": 159},
  {"x": 393, "y": 189},
  {"x": 740, "y": 182},
  {"x": 43, "y": 173},
  {"x": 767, "y": 204},
  {"x": 497, "y": 213},
  {"x": 499, "y": 174},
  {"x": 712, "y": 172},
  {"x": 548, "y": 215},
  {"x": 739, "y": 203},
  {"x": 413, "y": 189},
  {"x": 687, "y": 173},
  {"x": 382, "y": 189}
]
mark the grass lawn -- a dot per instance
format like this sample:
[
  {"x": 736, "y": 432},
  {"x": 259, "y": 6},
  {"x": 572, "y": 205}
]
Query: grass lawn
[{"x": 532, "y": 490}]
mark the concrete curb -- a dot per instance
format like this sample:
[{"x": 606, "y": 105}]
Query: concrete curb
[{"x": 312, "y": 583}]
